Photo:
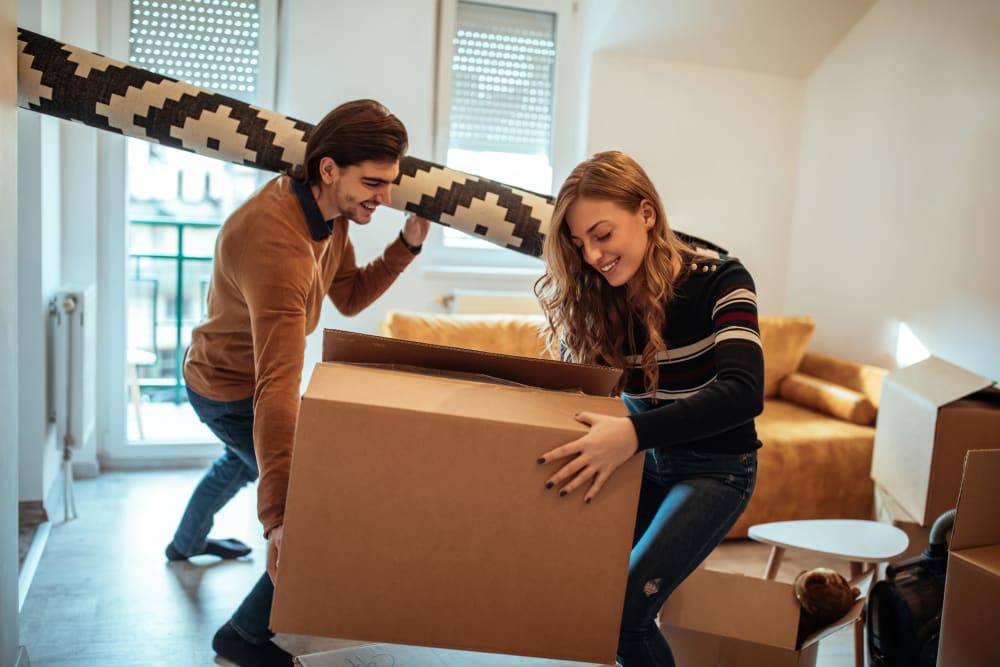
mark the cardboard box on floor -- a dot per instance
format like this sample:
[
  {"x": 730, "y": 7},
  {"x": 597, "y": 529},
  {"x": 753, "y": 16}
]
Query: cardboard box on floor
[
  {"x": 719, "y": 619},
  {"x": 972, "y": 586},
  {"x": 396, "y": 655},
  {"x": 930, "y": 414},
  {"x": 417, "y": 513}
]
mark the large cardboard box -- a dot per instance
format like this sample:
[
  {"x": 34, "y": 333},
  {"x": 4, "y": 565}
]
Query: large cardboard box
[
  {"x": 972, "y": 587},
  {"x": 720, "y": 619},
  {"x": 396, "y": 655},
  {"x": 417, "y": 511},
  {"x": 930, "y": 414}
]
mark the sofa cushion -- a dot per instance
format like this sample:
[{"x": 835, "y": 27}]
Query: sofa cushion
[
  {"x": 862, "y": 378},
  {"x": 828, "y": 398},
  {"x": 504, "y": 334},
  {"x": 784, "y": 339}
]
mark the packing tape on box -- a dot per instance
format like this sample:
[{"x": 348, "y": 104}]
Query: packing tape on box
[{"x": 75, "y": 84}]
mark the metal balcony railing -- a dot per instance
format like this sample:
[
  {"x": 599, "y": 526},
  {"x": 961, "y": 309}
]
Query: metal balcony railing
[{"x": 169, "y": 268}]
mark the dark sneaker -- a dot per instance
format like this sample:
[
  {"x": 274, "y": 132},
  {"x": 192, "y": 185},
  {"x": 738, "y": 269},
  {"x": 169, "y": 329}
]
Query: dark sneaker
[
  {"x": 230, "y": 645},
  {"x": 225, "y": 549}
]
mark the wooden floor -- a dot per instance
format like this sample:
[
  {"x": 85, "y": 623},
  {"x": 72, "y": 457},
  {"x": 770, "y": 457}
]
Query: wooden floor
[{"x": 104, "y": 595}]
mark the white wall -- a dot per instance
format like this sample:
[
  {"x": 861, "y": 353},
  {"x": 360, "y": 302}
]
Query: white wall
[
  {"x": 9, "y": 619},
  {"x": 57, "y": 247},
  {"x": 720, "y": 145},
  {"x": 896, "y": 213},
  {"x": 39, "y": 269},
  {"x": 78, "y": 176}
]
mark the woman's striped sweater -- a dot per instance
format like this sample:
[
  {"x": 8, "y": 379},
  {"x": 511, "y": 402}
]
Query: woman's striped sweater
[{"x": 711, "y": 382}]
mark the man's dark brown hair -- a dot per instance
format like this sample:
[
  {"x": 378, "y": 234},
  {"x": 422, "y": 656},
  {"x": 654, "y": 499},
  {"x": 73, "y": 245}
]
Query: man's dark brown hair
[{"x": 352, "y": 133}]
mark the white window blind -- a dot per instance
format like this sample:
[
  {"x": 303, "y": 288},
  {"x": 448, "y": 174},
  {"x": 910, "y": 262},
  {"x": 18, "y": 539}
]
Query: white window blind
[
  {"x": 502, "y": 95},
  {"x": 502, "y": 79},
  {"x": 214, "y": 44}
]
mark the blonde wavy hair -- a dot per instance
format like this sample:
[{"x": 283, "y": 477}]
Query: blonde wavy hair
[{"x": 589, "y": 319}]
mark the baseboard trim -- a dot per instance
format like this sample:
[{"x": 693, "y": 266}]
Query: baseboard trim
[
  {"x": 131, "y": 464},
  {"x": 85, "y": 469},
  {"x": 31, "y": 512},
  {"x": 30, "y": 565}
]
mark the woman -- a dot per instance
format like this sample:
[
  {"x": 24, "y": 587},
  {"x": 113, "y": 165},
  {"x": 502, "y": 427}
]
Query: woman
[{"x": 621, "y": 289}]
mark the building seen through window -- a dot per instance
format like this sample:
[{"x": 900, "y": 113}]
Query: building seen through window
[{"x": 177, "y": 200}]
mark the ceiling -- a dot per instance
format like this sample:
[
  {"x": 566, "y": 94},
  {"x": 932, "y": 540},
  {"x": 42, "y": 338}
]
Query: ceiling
[{"x": 783, "y": 37}]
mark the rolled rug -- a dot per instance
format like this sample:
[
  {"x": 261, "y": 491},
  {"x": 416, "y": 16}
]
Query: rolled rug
[{"x": 75, "y": 84}]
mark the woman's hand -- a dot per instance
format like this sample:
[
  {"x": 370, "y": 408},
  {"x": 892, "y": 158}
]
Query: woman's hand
[{"x": 610, "y": 442}]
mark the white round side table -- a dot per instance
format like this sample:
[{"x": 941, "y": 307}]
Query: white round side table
[{"x": 864, "y": 544}]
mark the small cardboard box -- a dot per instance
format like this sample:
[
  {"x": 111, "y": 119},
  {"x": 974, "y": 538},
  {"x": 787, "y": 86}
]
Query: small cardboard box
[
  {"x": 719, "y": 619},
  {"x": 972, "y": 587},
  {"x": 417, "y": 511},
  {"x": 396, "y": 655},
  {"x": 930, "y": 414}
]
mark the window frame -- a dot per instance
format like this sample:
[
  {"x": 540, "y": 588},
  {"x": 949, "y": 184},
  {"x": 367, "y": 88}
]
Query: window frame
[
  {"x": 114, "y": 447},
  {"x": 564, "y": 153}
]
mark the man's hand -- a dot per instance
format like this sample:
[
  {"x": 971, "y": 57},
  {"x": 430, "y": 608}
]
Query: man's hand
[
  {"x": 273, "y": 549},
  {"x": 610, "y": 442},
  {"x": 415, "y": 230}
]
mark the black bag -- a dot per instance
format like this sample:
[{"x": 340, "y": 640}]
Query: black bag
[{"x": 903, "y": 612}]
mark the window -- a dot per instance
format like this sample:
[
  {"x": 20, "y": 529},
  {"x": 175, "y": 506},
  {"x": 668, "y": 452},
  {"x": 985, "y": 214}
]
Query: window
[
  {"x": 176, "y": 200},
  {"x": 497, "y": 98},
  {"x": 212, "y": 44}
]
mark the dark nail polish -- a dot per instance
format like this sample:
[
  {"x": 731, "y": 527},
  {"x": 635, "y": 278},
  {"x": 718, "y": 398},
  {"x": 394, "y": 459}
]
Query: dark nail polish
[
  {"x": 587, "y": 501},
  {"x": 540, "y": 461},
  {"x": 549, "y": 485},
  {"x": 562, "y": 493}
]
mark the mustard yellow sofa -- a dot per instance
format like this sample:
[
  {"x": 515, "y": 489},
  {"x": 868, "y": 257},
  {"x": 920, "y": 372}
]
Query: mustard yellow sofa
[{"x": 817, "y": 427}]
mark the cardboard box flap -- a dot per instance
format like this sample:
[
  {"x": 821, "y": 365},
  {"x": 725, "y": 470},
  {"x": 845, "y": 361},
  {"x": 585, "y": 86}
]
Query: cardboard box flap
[
  {"x": 403, "y": 393},
  {"x": 976, "y": 523},
  {"x": 767, "y": 613},
  {"x": 986, "y": 559},
  {"x": 938, "y": 381},
  {"x": 852, "y": 616},
  {"x": 351, "y": 347}
]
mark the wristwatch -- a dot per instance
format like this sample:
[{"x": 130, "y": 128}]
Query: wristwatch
[{"x": 415, "y": 249}]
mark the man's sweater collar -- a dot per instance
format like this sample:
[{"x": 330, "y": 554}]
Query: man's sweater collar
[{"x": 318, "y": 227}]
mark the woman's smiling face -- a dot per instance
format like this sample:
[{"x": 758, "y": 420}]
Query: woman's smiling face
[{"x": 611, "y": 238}]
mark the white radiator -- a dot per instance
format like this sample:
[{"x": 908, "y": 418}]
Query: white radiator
[{"x": 74, "y": 356}]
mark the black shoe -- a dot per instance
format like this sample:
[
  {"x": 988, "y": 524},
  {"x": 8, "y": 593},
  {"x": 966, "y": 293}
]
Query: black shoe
[
  {"x": 230, "y": 645},
  {"x": 227, "y": 548}
]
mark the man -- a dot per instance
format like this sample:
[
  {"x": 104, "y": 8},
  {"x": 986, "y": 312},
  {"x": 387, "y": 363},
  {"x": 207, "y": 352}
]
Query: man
[{"x": 276, "y": 258}]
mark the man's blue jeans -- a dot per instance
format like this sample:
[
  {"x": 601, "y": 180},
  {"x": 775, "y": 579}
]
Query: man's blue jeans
[
  {"x": 687, "y": 503},
  {"x": 232, "y": 423}
]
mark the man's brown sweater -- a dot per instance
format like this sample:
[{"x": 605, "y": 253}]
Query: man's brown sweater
[{"x": 275, "y": 260}]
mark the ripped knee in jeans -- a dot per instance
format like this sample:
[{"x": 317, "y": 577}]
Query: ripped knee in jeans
[{"x": 652, "y": 587}]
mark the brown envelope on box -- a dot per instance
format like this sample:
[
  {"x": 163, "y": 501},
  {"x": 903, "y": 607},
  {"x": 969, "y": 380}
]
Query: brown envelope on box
[{"x": 417, "y": 513}]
